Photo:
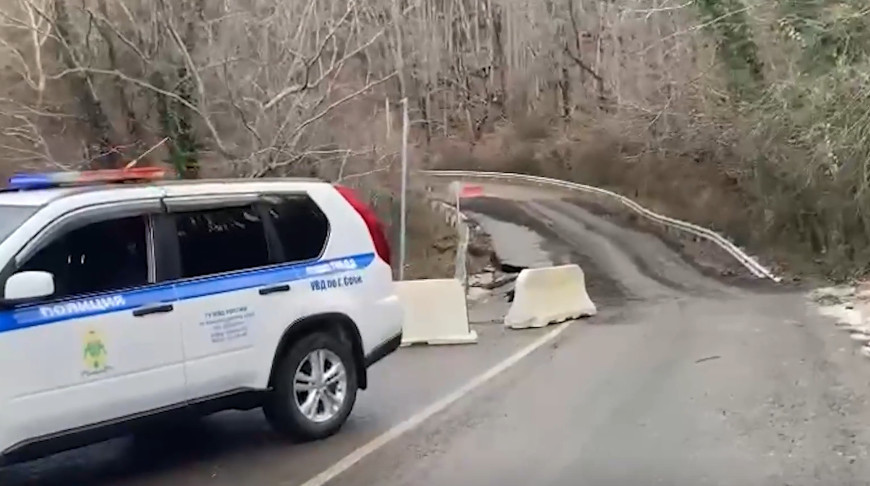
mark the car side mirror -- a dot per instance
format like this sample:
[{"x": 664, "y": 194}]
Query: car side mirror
[{"x": 24, "y": 286}]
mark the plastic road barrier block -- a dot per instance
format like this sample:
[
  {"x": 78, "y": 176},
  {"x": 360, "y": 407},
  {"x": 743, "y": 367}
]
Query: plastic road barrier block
[
  {"x": 435, "y": 312},
  {"x": 549, "y": 295}
]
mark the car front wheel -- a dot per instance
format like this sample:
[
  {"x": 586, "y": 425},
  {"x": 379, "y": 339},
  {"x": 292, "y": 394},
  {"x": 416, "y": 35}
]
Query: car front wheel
[{"x": 314, "y": 388}]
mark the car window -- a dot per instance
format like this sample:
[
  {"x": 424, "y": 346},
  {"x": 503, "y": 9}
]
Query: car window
[
  {"x": 11, "y": 217},
  {"x": 98, "y": 257},
  {"x": 301, "y": 226},
  {"x": 221, "y": 240}
]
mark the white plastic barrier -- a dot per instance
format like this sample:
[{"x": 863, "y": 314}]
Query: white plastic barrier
[
  {"x": 435, "y": 312},
  {"x": 547, "y": 295}
]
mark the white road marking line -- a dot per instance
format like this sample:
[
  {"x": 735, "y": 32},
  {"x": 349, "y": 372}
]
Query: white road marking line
[{"x": 359, "y": 454}]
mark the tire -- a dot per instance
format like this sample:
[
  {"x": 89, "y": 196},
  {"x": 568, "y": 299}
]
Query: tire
[{"x": 288, "y": 406}]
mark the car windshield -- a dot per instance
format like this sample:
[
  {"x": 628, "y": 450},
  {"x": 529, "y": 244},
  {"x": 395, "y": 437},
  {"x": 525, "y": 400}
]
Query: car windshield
[{"x": 11, "y": 218}]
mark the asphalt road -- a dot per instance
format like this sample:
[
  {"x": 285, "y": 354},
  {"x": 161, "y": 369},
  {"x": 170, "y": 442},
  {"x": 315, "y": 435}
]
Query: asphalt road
[
  {"x": 238, "y": 448},
  {"x": 680, "y": 380},
  {"x": 701, "y": 392}
]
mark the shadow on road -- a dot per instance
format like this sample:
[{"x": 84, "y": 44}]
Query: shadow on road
[{"x": 197, "y": 445}]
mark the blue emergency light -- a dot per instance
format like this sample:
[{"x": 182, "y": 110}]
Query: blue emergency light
[{"x": 42, "y": 180}]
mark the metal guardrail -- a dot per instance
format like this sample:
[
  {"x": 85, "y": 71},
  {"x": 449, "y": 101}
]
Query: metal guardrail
[{"x": 747, "y": 261}]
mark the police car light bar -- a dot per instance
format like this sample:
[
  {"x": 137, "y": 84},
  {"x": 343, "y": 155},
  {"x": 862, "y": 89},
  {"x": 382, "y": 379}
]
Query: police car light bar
[{"x": 77, "y": 178}]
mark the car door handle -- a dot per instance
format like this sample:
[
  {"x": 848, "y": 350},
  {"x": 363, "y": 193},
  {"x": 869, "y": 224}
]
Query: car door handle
[
  {"x": 274, "y": 289},
  {"x": 153, "y": 309}
]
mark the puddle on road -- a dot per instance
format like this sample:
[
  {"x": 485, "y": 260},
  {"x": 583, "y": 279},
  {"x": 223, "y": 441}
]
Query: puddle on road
[{"x": 515, "y": 245}]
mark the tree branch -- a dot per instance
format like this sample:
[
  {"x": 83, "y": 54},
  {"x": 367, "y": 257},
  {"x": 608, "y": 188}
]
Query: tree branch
[
  {"x": 117, "y": 74},
  {"x": 299, "y": 128},
  {"x": 310, "y": 62}
]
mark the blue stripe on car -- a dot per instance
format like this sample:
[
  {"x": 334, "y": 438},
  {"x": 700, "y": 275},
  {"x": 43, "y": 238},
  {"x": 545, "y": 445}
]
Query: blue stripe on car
[{"x": 42, "y": 314}]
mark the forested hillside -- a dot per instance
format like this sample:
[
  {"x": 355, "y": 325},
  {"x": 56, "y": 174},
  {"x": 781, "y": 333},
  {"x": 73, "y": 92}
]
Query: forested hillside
[{"x": 747, "y": 115}]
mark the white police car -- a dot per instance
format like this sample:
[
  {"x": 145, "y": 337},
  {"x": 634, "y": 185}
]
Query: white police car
[{"x": 128, "y": 303}]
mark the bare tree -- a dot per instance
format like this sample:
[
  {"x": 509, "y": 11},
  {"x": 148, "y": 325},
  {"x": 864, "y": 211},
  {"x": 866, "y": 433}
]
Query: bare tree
[{"x": 253, "y": 87}]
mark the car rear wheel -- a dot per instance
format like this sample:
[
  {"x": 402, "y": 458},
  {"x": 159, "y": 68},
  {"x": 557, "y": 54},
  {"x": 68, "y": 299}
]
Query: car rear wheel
[{"x": 314, "y": 388}]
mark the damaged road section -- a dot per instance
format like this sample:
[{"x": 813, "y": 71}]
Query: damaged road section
[{"x": 620, "y": 264}]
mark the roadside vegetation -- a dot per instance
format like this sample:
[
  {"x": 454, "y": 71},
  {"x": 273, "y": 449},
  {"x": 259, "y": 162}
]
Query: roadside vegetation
[{"x": 749, "y": 116}]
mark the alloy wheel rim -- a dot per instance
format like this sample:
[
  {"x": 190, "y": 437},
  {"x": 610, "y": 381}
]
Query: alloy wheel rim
[{"x": 320, "y": 385}]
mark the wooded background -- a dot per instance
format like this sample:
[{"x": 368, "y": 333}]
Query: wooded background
[{"x": 747, "y": 115}]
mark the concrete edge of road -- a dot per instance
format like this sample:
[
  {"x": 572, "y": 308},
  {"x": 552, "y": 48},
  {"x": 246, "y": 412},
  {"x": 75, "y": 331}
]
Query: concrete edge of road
[
  {"x": 448, "y": 212},
  {"x": 463, "y": 226},
  {"x": 547, "y": 295},
  {"x": 746, "y": 260}
]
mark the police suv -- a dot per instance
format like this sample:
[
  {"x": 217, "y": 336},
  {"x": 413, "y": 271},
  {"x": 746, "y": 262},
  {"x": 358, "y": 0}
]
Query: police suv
[{"x": 123, "y": 304}]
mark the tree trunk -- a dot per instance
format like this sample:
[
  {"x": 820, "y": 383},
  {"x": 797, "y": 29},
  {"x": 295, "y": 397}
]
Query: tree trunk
[{"x": 101, "y": 149}]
